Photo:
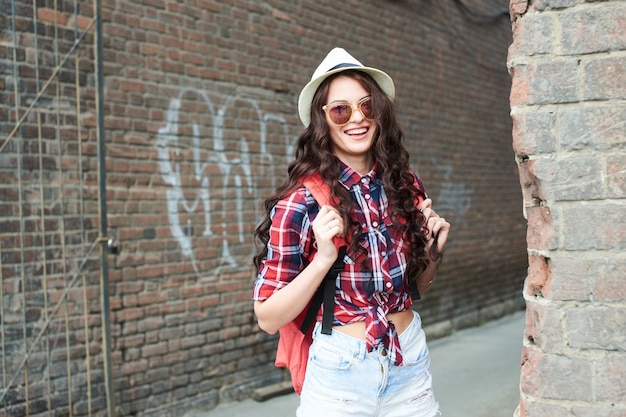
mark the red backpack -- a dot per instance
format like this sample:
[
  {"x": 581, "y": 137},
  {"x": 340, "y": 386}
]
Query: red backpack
[{"x": 296, "y": 337}]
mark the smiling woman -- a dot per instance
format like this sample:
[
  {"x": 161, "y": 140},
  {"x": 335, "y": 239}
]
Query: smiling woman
[{"x": 395, "y": 244}]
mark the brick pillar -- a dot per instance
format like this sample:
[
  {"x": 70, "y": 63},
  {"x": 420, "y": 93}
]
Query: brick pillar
[{"x": 568, "y": 105}]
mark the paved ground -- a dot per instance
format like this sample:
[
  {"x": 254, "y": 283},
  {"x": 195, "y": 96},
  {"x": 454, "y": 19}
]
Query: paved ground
[
  {"x": 475, "y": 374},
  {"x": 476, "y": 371}
]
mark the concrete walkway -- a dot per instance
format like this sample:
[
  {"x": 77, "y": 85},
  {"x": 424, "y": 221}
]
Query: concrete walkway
[{"x": 476, "y": 373}]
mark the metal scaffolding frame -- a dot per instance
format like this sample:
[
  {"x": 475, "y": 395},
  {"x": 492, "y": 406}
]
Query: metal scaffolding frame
[{"x": 51, "y": 354}]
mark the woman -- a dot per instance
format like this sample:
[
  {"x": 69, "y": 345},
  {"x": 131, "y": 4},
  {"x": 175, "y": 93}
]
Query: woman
[{"x": 375, "y": 362}]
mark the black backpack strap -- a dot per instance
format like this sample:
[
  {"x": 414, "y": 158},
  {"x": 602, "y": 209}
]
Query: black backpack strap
[
  {"x": 314, "y": 306},
  {"x": 325, "y": 293},
  {"x": 329, "y": 291},
  {"x": 415, "y": 293}
]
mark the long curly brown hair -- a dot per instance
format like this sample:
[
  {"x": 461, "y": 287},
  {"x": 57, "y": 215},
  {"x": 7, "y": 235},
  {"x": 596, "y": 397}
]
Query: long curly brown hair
[{"x": 314, "y": 154}]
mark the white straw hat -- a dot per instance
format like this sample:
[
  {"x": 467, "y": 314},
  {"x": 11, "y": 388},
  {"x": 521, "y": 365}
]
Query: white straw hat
[{"x": 336, "y": 61}]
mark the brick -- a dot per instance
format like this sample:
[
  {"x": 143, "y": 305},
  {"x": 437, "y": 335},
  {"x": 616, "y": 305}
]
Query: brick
[
  {"x": 518, "y": 7},
  {"x": 604, "y": 78},
  {"x": 540, "y": 328},
  {"x": 571, "y": 279},
  {"x": 606, "y": 232},
  {"x": 566, "y": 179},
  {"x": 132, "y": 354},
  {"x": 532, "y": 35},
  {"x": 132, "y": 287},
  {"x": 158, "y": 349},
  {"x": 592, "y": 30},
  {"x": 541, "y": 234},
  {"x": 51, "y": 16},
  {"x": 592, "y": 128},
  {"x": 129, "y": 314},
  {"x": 130, "y": 328},
  {"x": 616, "y": 176},
  {"x": 545, "y": 83},
  {"x": 125, "y": 260},
  {"x": 608, "y": 280},
  {"x": 610, "y": 381},
  {"x": 151, "y": 323},
  {"x": 130, "y": 301},
  {"x": 82, "y": 22},
  {"x": 135, "y": 367},
  {"x": 533, "y": 133},
  {"x": 151, "y": 298},
  {"x": 532, "y": 196},
  {"x": 594, "y": 327},
  {"x": 172, "y": 307},
  {"x": 149, "y": 271},
  {"x": 539, "y": 274},
  {"x": 556, "y": 377},
  {"x": 193, "y": 341}
]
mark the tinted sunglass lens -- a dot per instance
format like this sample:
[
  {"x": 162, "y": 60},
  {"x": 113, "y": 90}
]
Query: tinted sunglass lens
[
  {"x": 366, "y": 109},
  {"x": 340, "y": 114}
]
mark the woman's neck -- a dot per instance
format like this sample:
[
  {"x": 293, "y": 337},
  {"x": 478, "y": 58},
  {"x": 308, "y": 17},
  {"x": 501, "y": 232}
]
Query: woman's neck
[{"x": 361, "y": 165}]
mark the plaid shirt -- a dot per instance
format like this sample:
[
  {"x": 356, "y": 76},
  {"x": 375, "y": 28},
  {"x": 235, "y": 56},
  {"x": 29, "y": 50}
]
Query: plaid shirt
[{"x": 370, "y": 286}]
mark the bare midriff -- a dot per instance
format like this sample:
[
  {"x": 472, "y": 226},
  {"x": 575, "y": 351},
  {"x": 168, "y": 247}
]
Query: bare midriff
[{"x": 401, "y": 320}]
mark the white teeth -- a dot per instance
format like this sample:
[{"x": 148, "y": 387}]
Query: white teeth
[{"x": 356, "y": 131}]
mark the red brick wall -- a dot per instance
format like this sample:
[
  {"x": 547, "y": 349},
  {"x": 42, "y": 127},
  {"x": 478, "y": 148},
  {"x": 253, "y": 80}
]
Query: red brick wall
[
  {"x": 200, "y": 101},
  {"x": 233, "y": 72},
  {"x": 568, "y": 105}
]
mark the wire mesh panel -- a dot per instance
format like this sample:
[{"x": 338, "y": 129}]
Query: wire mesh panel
[{"x": 51, "y": 356}]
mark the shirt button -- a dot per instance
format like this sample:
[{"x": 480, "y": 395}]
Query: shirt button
[
  {"x": 389, "y": 285},
  {"x": 375, "y": 224},
  {"x": 383, "y": 253},
  {"x": 364, "y": 180},
  {"x": 367, "y": 196}
]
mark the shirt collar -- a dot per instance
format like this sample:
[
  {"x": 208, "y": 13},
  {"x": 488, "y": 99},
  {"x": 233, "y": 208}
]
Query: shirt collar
[{"x": 349, "y": 177}]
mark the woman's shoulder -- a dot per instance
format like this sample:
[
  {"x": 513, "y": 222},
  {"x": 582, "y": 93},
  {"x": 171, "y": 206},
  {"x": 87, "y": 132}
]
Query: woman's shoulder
[
  {"x": 295, "y": 210},
  {"x": 298, "y": 199}
]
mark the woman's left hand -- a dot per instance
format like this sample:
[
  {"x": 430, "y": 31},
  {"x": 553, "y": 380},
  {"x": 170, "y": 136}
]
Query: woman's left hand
[{"x": 437, "y": 227}]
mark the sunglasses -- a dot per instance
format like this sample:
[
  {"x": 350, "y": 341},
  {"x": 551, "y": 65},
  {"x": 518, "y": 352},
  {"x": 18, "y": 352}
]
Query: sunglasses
[{"x": 340, "y": 112}]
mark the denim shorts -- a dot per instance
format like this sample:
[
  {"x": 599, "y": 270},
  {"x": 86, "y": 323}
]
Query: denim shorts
[{"x": 343, "y": 379}]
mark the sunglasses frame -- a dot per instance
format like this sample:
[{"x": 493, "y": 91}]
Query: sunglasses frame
[{"x": 328, "y": 107}]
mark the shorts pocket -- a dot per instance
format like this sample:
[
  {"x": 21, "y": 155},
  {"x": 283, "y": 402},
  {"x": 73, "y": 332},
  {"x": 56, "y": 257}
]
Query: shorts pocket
[
  {"x": 421, "y": 359},
  {"x": 330, "y": 357},
  {"x": 416, "y": 355}
]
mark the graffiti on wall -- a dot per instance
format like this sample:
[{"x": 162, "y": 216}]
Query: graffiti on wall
[
  {"x": 219, "y": 164},
  {"x": 215, "y": 161}
]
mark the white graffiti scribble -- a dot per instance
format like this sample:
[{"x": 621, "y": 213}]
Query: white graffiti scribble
[{"x": 213, "y": 177}]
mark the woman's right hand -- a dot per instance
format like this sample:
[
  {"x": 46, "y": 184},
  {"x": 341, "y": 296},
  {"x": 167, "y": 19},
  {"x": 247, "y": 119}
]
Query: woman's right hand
[
  {"x": 284, "y": 305},
  {"x": 326, "y": 226}
]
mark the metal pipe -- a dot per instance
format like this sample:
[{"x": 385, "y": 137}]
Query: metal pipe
[{"x": 104, "y": 268}]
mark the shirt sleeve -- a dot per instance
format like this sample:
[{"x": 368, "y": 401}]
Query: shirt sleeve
[{"x": 290, "y": 237}]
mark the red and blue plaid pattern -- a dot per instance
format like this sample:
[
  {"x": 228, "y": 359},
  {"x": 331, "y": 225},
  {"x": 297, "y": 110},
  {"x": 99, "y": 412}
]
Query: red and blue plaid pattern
[{"x": 370, "y": 286}]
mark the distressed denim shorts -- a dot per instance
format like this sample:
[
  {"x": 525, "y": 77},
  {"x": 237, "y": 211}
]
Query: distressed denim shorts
[{"x": 343, "y": 379}]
